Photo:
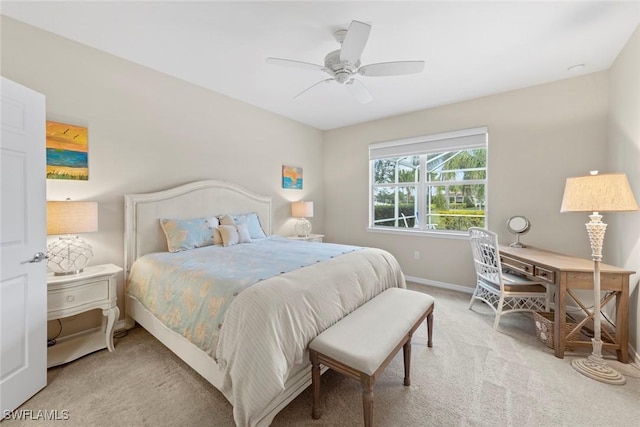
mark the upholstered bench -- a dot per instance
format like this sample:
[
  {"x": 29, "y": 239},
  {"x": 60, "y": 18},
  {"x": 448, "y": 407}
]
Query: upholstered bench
[{"x": 364, "y": 342}]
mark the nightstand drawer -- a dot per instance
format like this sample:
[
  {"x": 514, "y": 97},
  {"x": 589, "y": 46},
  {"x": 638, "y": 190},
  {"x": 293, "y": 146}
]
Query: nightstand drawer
[
  {"x": 310, "y": 238},
  {"x": 78, "y": 296}
]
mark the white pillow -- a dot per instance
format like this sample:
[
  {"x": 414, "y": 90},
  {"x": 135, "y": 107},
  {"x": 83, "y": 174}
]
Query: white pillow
[{"x": 243, "y": 233}]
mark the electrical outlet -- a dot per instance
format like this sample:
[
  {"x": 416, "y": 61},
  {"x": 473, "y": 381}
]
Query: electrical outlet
[{"x": 416, "y": 255}]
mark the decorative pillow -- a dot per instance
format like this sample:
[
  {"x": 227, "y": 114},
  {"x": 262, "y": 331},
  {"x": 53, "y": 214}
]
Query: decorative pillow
[
  {"x": 250, "y": 219},
  {"x": 229, "y": 235},
  {"x": 185, "y": 234},
  {"x": 253, "y": 223},
  {"x": 214, "y": 223},
  {"x": 226, "y": 220},
  {"x": 243, "y": 233},
  {"x": 234, "y": 234}
]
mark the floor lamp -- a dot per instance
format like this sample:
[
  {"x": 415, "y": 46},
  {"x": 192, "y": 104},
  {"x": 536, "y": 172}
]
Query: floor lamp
[{"x": 597, "y": 193}]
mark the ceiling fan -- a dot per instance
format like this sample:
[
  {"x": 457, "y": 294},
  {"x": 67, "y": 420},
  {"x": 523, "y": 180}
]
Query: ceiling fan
[{"x": 343, "y": 65}]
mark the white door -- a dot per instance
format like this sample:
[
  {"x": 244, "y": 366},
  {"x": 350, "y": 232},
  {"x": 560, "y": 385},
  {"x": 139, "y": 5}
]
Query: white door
[{"x": 23, "y": 286}]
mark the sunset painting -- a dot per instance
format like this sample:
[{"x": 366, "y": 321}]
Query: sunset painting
[
  {"x": 292, "y": 177},
  {"x": 67, "y": 151}
]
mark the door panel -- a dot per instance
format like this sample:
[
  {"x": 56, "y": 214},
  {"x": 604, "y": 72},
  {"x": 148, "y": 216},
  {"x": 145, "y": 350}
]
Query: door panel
[{"x": 23, "y": 287}]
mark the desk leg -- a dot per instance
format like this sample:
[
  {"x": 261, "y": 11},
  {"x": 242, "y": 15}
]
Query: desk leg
[
  {"x": 622, "y": 319},
  {"x": 560, "y": 316}
]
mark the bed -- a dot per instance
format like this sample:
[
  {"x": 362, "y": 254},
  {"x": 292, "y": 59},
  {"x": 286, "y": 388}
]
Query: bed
[{"x": 257, "y": 358}]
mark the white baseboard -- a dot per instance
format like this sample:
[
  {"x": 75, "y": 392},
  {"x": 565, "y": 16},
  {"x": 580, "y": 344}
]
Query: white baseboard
[{"x": 443, "y": 285}]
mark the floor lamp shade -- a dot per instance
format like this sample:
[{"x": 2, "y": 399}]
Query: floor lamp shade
[
  {"x": 302, "y": 210},
  {"x": 70, "y": 254},
  {"x": 598, "y": 193}
]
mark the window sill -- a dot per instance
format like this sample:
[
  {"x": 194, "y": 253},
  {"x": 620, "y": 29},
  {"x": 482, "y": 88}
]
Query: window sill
[{"x": 439, "y": 234}]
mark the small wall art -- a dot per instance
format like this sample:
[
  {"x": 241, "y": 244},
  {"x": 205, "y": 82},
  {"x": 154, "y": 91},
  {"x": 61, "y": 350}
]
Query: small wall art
[
  {"x": 292, "y": 177},
  {"x": 67, "y": 151}
]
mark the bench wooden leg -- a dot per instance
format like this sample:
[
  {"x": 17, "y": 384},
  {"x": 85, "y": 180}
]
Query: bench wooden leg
[
  {"x": 429, "y": 329},
  {"x": 406, "y": 352},
  {"x": 315, "y": 385},
  {"x": 367, "y": 400}
]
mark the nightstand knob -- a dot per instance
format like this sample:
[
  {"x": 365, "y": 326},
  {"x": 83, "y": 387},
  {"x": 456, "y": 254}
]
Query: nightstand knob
[{"x": 70, "y": 298}]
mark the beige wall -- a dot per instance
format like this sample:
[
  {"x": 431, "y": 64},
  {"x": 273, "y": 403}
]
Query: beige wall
[
  {"x": 537, "y": 138},
  {"x": 149, "y": 131},
  {"x": 623, "y": 234}
]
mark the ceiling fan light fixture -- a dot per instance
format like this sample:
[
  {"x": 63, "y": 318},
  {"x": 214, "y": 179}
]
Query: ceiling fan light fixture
[{"x": 342, "y": 76}]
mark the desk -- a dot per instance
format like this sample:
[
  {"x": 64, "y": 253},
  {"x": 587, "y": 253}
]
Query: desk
[{"x": 568, "y": 273}]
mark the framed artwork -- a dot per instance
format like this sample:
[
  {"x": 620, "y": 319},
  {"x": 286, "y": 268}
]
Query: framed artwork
[
  {"x": 292, "y": 177},
  {"x": 67, "y": 151}
]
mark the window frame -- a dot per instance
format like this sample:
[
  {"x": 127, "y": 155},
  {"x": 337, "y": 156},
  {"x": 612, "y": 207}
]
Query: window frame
[{"x": 466, "y": 139}]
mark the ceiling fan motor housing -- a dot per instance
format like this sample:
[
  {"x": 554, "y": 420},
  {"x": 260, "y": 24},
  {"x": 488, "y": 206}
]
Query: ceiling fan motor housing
[
  {"x": 343, "y": 65},
  {"x": 342, "y": 70}
]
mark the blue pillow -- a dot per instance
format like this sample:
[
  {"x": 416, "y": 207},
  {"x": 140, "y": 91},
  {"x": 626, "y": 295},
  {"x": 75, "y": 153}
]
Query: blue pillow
[{"x": 185, "y": 234}]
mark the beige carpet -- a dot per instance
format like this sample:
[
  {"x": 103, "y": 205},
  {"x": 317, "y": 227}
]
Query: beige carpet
[{"x": 473, "y": 376}]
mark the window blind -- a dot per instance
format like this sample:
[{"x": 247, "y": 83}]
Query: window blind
[{"x": 447, "y": 141}]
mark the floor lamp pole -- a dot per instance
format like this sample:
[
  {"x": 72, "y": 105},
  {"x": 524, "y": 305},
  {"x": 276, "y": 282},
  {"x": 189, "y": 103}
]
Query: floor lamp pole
[{"x": 594, "y": 366}]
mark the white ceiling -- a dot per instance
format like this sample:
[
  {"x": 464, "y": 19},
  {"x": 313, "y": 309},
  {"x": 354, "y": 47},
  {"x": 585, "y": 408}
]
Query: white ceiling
[{"x": 471, "y": 49}]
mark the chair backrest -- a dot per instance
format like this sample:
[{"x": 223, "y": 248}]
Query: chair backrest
[{"x": 486, "y": 255}]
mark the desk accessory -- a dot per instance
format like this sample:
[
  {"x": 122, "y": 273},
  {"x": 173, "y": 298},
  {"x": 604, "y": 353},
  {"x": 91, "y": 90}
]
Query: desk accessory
[{"x": 518, "y": 225}]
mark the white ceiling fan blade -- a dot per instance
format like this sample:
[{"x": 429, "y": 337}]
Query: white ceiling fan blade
[
  {"x": 359, "y": 91},
  {"x": 392, "y": 68},
  {"x": 296, "y": 64},
  {"x": 313, "y": 85},
  {"x": 354, "y": 41}
]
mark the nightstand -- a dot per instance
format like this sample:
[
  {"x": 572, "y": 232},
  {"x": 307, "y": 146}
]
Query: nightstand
[
  {"x": 94, "y": 288},
  {"x": 310, "y": 238}
]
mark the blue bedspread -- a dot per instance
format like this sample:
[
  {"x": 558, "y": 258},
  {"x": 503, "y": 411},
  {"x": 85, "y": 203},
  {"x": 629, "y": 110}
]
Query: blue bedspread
[{"x": 189, "y": 291}]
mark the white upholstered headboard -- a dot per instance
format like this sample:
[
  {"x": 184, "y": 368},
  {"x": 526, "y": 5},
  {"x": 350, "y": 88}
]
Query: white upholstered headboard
[{"x": 142, "y": 232}]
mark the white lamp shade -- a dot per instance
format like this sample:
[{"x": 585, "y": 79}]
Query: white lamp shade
[
  {"x": 72, "y": 217},
  {"x": 302, "y": 209},
  {"x": 598, "y": 193}
]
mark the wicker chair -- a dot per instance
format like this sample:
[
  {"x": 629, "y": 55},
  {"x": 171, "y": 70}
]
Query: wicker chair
[{"x": 504, "y": 292}]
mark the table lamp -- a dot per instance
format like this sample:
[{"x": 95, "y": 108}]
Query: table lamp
[
  {"x": 70, "y": 253},
  {"x": 597, "y": 193},
  {"x": 302, "y": 211}
]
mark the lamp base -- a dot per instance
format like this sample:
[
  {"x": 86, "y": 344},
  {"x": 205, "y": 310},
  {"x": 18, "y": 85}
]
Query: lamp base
[
  {"x": 68, "y": 255},
  {"x": 595, "y": 368},
  {"x": 302, "y": 227}
]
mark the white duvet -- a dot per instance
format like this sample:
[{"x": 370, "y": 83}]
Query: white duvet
[{"x": 268, "y": 326}]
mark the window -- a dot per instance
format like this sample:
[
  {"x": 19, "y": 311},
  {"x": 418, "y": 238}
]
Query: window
[{"x": 431, "y": 183}]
